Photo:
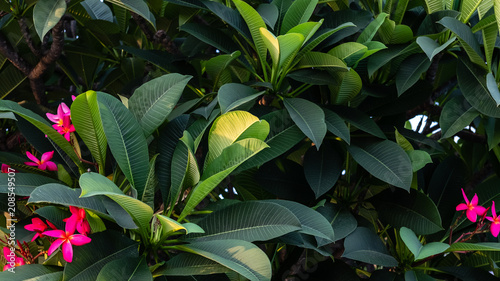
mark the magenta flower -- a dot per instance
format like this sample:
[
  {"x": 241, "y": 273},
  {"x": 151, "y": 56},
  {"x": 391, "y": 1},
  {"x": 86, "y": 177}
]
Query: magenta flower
[
  {"x": 62, "y": 110},
  {"x": 39, "y": 226},
  {"x": 77, "y": 221},
  {"x": 73, "y": 97},
  {"x": 65, "y": 128},
  {"x": 67, "y": 239},
  {"x": 44, "y": 163},
  {"x": 12, "y": 259},
  {"x": 473, "y": 210},
  {"x": 495, "y": 221},
  {"x": 5, "y": 169}
]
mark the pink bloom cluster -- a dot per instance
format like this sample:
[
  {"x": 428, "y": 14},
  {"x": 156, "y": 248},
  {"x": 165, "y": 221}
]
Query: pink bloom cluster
[
  {"x": 43, "y": 163},
  {"x": 67, "y": 237},
  {"x": 6, "y": 169},
  {"x": 62, "y": 121},
  {"x": 472, "y": 210},
  {"x": 12, "y": 259}
]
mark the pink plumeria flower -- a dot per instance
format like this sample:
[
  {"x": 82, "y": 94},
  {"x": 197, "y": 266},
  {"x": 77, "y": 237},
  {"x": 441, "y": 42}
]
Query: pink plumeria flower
[
  {"x": 39, "y": 226},
  {"x": 43, "y": 163},
  {"x": 77, "y": 220},
  {"x": 495, "y": 221},
  {"x": 62, "y": 110},
  {"x": 66, "y": 128},
  {"x": 67, "y": 239},
  {"x": 6, "y": 169},
  {"x": 11, "y": 258},
  {"x": 73, "y": 97},
  {"x": 473, "y": 210}
]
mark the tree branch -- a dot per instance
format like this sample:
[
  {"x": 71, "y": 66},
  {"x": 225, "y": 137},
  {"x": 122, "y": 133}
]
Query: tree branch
[
  {"x": 8, "y": 51},
  {"x": 27, "y": 36}
]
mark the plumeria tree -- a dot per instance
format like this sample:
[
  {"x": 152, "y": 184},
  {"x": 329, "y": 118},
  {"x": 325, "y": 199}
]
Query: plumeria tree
[{"x": 249, "y": 140}]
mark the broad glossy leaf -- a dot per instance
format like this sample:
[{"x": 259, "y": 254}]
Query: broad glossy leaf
[
  {"x": 93, "y": 184},
  {"x": 126, "y": 140},
  {"x": 360, "y": 120},
  {"x": 87, "y": 121},
  {"x": 309, "y": 117},
  {"x": 493, "y": 88},
  {"x": 148, "y": 196},
  {"x": 483, "y": 246},
  {"x": 384, "y": 57},
  {"x": 269, "y": 14},
  {"x": 419, "y": 158},
  {"x": 10, "y": 79},
  {"x": 467, "y": 8},
  {"x": 299, "y": 12},
  {"x": 342, "y": 221},
  {"x": 272, "y": 45},
  {"x": 229, "y": 16},
  {"x": 211, "y": 36},
  {"x": 229, "y": 159},
  {"x": 421, "y": 251},
  {"x": 468, "y": 273},
  {"x": 472, "y": 82},
  {"x": 413, "y": 210},
  {"x": 431, "y": 47},
  {"x": 432, "y": 6},
  {"x": 336, "y": 125},
  {"x": 322, "y": 60},
  {"x": 385, "y": 160},
  {"x": 496, "y": 7},
  {"x": 126, "y": 269},
  {"x": 249, "y": 221},
  {"x": 136, "y": 6},
  {"x": 186, "y": 264},
  {"x": 217, "y": 68},
  {"x": 313, "y": 223},
  {"x": 347, "y": 89},
  {"x": 88, "y": 262},
  {"x": 307, "y": 29},
  {"x": 322, "y": 168},
  {"x": 233, "y": 95},
  {"x": 43, "y": 126},
  {"x": 410, "y": 71},
  {"x": 98, "y": 10},
  {"x": 254, "y": 22},
  {"x": 364, "y": 245},
  {"x": 25, "y": 183},
  {"x": 370, "y": 31},
  {"x": 413, "y": 275},
  {"x": 152, "y": 102},
  {"x": 349, "y": 52},
  {"x": 289, "y": 45},
  {"x": 240, "y": 256},
  {"x": 457, "y": 114},
  {"x": 46, "y": 14},
  {"x": 35, "y": 272}
]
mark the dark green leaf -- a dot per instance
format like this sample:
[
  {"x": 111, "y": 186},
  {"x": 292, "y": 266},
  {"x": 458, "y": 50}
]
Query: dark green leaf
[
  {"x": 322, "y": 168},
  {"x": 126, "y": 269},
  {"x": 364, "y": 245},
  {"x": 309, "y": 117},
  {"x": 410, "y": 71},
  {"x": 47, "y": 14}
]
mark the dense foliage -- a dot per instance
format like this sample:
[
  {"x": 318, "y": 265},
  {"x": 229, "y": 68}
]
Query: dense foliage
[{"x": 259, "y": 140}]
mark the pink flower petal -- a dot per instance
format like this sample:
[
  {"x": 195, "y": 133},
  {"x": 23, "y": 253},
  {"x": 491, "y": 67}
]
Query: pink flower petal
[
  {"x": 54, "y": 246},
  {"x": 42, "y": 166},
  {"x": 71, "y": 224},
  {"x": 51, "y": 224},
  {"x": 53, "y": 117},
  {"x": 47, "y": 156},
  {"x": 36, "y": 236},
  {"x": 31, "y": 157},
  {"x": 5, "y": 168},
  {"x": 471, "y": 215},
  {"x": 6, "y": 252},
  {"x": 73, "y": 97},
  {"x": 493, "y": 211},
  {"x": 79, "y": 239},
  {"x": 65, "y": 109},
  {"x": 51, "y": 166},
  {"x": 461, "y": 207},
  {"x": 83, "y": 227},
  {"x": 474, "y": 200},
  {"x": 480, "y": 210},
  {"x": 19, "y": 261},
  {"x": 55, "y": 233},
  {"x": 490, "y": 218},
  {"x": 74, "y": 210},
  {"x": 6, "y": 267},
  {"x": 67, "y": 251},
  {"x": 465, "y": 197},
  {"x": 67, "y": 136},
  {"x": 495, "y": 229},
  {"x": 30, "y": 164}
]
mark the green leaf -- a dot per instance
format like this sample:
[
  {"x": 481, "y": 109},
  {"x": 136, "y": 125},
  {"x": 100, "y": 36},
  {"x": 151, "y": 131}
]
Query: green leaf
[
  {"x": 289, "y": 45},
  {"x": 152, "y": 102},
  {"x": 249, "y": 221},
  {"x": 217, "y": 67},
  {"x": 365, "y": 246},
  {"x": 254, "y": 22},
  {"x": 349, "y": 52},
  {"x": 93, "y": 184},
  {"x": 229, "y": 16},
  {"x": 413, "y": 210},
  {"x": 126, "y": 140},
  {"x": 466, "y": 38},
  {"x": 98, "y": 10},
  {"x": 496, "y": 7},
  {"x": 385, "y": 160},
  {"x": 336, "y": 125},
  {"x": 230, "y": 127},
  {"x": 228, "y": 160},
  {"x": 148, "y": 196},
  {"x": 47, "y": 14},
  {"x": 455, "y": 116},
  {"x": 472, "y": 82},
  {"x": 126, "y": 269},
  {"x": 468, "y": 8},
  {"x": 240, "y": 256},
  {"x": 349, "y": 87},
  {"x": 410, "y": 71},
  {"x": 269, "y": 14},
  {"x": 421, "y": 251},
  {"x": 370, "y": 31},
  {"x": 87, "y": 121},
  {"x": 35, "y": 272},
  {"x": 419, "y": 159},
  {"x": 25, "y": 183},
  {"x": 186, "y": 264},
  {"x": 432, "y": 6},
  {"x": 360, "y": 120},
  {"x": 483, "y": 246},
  {"x": 342, "y": 221},
  {"x": 313, "y": 223},
  {"x": 309, "y": 117},
  {"x": 211, "y": 36},
  {"x": 322, "y": 168},
  {"x": 493, "y": 88},
  {"x": 136, "y": 6},
  {"x": 323, "y": 60},
  {"x": 431, "y": 47},
  {"x": 272, "y": 45},
  {"x": 413, "y": 275},
  {"x": 299, "y": 12},
  {"x": 88, "y": 261},
  {"x": 43, "y": 126},
  {"x": 233, "y": 95},
  {"x": 385, "y": 57},
  {"x": 10, "y": 79},
  {"x": 307, "y": 29}
]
